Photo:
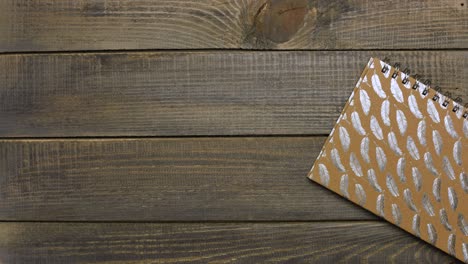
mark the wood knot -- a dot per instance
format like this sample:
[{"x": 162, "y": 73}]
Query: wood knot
[{"x": 279, "y": 20}]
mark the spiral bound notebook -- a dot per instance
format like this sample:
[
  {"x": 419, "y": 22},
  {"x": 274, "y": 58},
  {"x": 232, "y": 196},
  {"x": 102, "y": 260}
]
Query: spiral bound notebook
[{"x": 400, "y": 150}]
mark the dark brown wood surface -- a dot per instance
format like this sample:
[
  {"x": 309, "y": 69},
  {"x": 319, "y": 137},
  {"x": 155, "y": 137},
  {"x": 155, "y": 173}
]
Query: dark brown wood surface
[
  {"x": 194, "y": 93},
  {"x": 44, "y": 25},
  {"x": 182, "y": 131},
  {"x": 172, "y": 179},
  {"x": 322, "y": 242}
]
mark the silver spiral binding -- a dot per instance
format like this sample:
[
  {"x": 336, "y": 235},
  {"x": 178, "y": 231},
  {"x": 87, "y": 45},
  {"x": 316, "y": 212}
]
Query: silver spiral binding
[{"x": 457, "y": 102}]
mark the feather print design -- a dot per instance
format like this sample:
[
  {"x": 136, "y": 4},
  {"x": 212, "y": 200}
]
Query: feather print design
[
  {"x": 413, "y": 106},
  {"x": 375, "y": 127},
  {"x": 360, "y": 194},
  {"x": 449, "y": 127},
  {"x": 378, "y": 86},
  {"x": 452, "y": 197},
  {"x": 417, "y": 178},
  {"x": 344, "y": 138},
  {"x": 432, "y": 234},
  {"x": 344, "y": 185},
  {"x": 393, "y": 143},
  {"x": 432, "y": 111},
  {"x": 381, "y": 158},
  {"x": 324, "y": 175},
  {"x": 448, "y": 169},
  {"x": 415, "y": 225},
  {"x": 451, "y": 244},
  {"x": 356, "y": 121},
  {"x": 396, "y": 214},
  {"x": 336, "y": 160},
  {"x": 396, "y": 91},
  {"x": 422, "y": 132},
  {"x": 437, "y": 140},
  {"x": 457, "y": 152},
  {"x": 385, "y": 112},
  {"x": 365, "y": 101},
  {"x": 365, "y": 149},
  {"x": 412, "y": 149},
  {"x": 391, "y": 185},
  {"x": 401, "y": 122},
  {"x": 427, "y": 205},
  {"x": 380, "y": 205},
  {"x": 372, "y": 178},
  {"x": 388, "y": 139},
  {"x": 355, "y": 165},
  {"x": 465, "y": 252},
  {"x": 401, "y": 164}
]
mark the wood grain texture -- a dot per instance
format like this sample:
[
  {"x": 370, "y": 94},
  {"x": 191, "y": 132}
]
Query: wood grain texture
[
  {"x": 184, "y": 179},
  {"x": 332, "y": 242},
  {"x": 194, "y": 93},
  {"x": 46, "y": 25}
]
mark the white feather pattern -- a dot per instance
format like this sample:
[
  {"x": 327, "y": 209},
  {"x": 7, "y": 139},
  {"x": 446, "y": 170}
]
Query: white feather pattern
[
  {"x": 427, "y": 205},
  {"x": 344, "y": 138},
  {"x": 356, "y": 121},
  {"x": 385, "y": 112},
  {"x": 436, "y": 189},
  {"x": 444, "y": 219},
  {"x": 451, "y": 244},
  {"x": 396, "y": 91},
  {"x": 401, "y": 122},
  {"x": 422, "y": 132},
  {"x": 344, "y": 185},
  {"x": 391, "y": 185},
  {"x": 412, "y": 149},
  {"x": 355, "y": 165},
  {"x": 417, "y": 178},
  {"x": 401, "y": 164},
  {"x": 380, "y": 205},
  {"x": 449, "y": 127},
  {"x": 396, "y": 214},
  {"x": 381, "y": 158},
  {"x": 372, "y": 178},
  {"x": 465, "y": 128},
  {"x": 462, "y": 224},
  {"x": 464, "y": 181},
  {"x": 415, "y": 225},
  {"x": 378, "y": 86},
  {"x": 452, "y": 197},
  {"x": 408, "y": 197},
  {"x": 365, "y": 101},
  {"x": 393, "y": 143},
  {"x": 432, "y": 111},
  {"x": 430, "y": 164},
  {"x": 360, "y": 194},
  {"x": 457, "y": 152},
  {"x": 365, "y": 149},
  {"x": 437, "y": 140},
  {"x": 413, "y": 105},
  {"x": 465, "y": 252},
  {"x": 324, "y": 175},
  {"x": 375, "y": 127},
  {"x": 336, "y": 160},
  {"x": 448, "y": 169},
  {"x": 432, "y": 234}
]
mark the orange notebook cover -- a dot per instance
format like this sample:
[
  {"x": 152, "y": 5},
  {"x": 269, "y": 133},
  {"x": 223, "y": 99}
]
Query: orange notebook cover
[{"x": 400, "y": 150}]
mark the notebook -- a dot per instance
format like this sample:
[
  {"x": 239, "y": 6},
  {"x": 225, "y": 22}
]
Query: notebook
[{"x": 400, "y": 150}]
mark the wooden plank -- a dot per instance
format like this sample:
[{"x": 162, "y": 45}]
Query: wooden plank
[
  {"x": 173, "y": 179},
  {"x": 48, "y": 25},
  {"x": 194, "y": 93},
  {"x": 330, "y": 242}
]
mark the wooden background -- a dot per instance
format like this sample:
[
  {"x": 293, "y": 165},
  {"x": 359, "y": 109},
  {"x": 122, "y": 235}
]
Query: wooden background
[{"x": 182, "y": 131}]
